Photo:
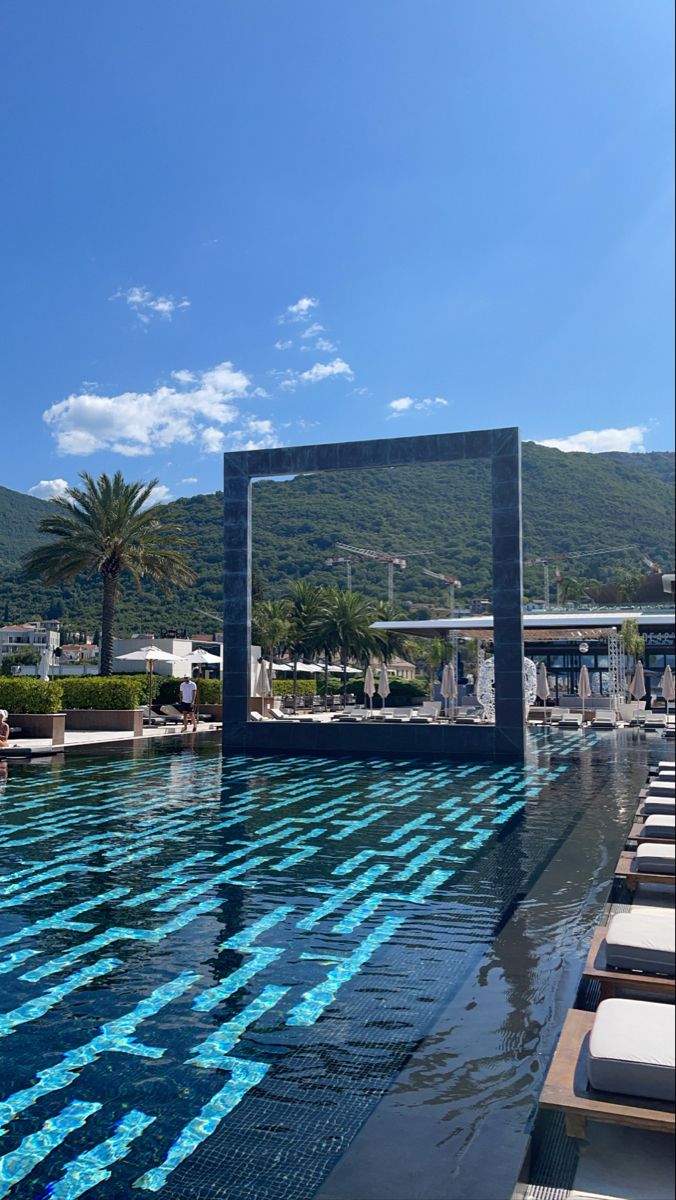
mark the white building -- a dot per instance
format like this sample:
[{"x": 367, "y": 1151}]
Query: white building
[
  {"x": 33, "y": 635},
  {"x": 177, "y": 646}
]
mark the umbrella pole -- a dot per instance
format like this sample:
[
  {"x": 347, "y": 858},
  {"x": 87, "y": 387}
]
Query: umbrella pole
[{"x": 150, "y": 687}]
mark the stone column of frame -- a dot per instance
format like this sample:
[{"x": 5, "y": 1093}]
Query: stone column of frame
[
  {"x": 510, "y": 733},
  {"x": 236, "y": 598}
]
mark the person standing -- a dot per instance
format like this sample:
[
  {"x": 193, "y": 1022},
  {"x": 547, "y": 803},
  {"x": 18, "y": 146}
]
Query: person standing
[{"x": 188, "y": 691}]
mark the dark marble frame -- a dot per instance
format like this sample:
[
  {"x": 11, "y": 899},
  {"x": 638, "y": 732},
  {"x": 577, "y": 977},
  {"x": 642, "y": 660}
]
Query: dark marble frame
[{"x": 504, "y": 740}]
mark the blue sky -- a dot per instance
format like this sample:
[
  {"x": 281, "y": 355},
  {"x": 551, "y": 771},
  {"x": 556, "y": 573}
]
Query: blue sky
[{"x": 236, "y": 223}]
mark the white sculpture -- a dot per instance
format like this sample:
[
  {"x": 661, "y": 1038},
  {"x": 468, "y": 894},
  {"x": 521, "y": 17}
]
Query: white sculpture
[{"x": 485, "y": 689}]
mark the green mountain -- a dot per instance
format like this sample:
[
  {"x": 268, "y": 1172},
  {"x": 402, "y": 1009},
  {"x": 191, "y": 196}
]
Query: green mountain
[{"x": 435, "y": 516}]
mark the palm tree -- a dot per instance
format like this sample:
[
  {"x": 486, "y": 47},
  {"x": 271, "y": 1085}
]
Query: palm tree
[
  {"x": 390, "y": 641},
  {"x": 434, "y": 652},
  {"x": 306, "y": 606},
  {"x": 345, "y": 627},
  {"x": 271, "y": 627},
  {"x": 107, "y": 527}
]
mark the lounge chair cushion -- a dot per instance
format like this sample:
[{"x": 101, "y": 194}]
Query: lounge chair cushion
[
  {"x": 659, "y": 804},
  {"x": 656, "y": 857},
  {"x": 632, "y": 1049},
  {"x": 659, "y": 825},
  {"x": 662, "y": 787},
  {"x": 640, "y": 943}
]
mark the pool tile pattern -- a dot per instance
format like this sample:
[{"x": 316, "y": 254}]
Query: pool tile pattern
[{"x": 282, "y": 933}]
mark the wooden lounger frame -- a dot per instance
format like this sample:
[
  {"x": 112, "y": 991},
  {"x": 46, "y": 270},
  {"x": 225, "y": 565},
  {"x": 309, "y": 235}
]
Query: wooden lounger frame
[
  {"x": 635, "y": 835},
  {"x": 567, "y": 1090},
  {"x": 614, "y": 979},
  {"x": 625, "y": 870}
]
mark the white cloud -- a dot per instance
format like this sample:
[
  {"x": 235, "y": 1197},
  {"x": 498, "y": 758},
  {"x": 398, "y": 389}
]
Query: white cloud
[
  {"x": 190, "y": 479},
  {"x": 325, "y": 345},
  {"x": 146, "y": 305},
  {"x": 405, "y": 404},
  {"x": 322, "y": 371},
  {"x": 300, "y": 311},
  {"x": 46, "y": 489},
  {"x": 159, "y": 495},
  {"x": 312, "y": 330},
  {"x": 284, "y": 345},
  {"x": 600, "y": 441},
  {"x": 141, "y": 423},
  {"x": 183, "y": 376},
  {"x": 213, "y": 440}
]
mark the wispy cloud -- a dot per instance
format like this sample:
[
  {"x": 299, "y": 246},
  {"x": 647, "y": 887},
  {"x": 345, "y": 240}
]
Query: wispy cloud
[
  {"x": 46, "y": 489},
  {"x": 281, "y": 345},
  {"x": 300, "y": 311},
  {"x": 190, "y": 479},
  {"x": 601, "y": 441},
  {"x": 312, "y": 330},
  {"x": 409, "y": 404},
  {"x": 325, "y": 345},
  {"x": 146, "y": 305},
  {"x": 199, "y": 406},
  {"x": 336, "y": 369}
]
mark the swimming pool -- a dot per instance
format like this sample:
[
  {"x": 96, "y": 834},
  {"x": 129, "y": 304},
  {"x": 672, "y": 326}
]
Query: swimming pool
[{"x": 210, "y": 973}]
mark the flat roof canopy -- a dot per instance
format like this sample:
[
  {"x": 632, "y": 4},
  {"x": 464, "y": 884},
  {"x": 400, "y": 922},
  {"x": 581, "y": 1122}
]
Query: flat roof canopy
[{"x": 536, "y": 626}]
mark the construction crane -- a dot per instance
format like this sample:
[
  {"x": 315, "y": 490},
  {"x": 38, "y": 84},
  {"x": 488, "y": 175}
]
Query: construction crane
[
  {"x": 448, "y": 579},
  {"x": 359, "y": 554},
  {"x": 545, "y": 560},
  {"x": 335, "y": 562}
]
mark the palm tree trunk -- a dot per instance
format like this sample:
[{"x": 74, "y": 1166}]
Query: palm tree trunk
[
  {"x": 295, "y": 685},
  {"x": 326, "y": 680},
  {"x": 344, "y": 664},
  {"x": 110, "y": 586}
]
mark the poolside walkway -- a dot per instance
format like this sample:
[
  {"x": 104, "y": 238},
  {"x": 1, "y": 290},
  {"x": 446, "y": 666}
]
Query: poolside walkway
[{"x": 82, "y": 740}]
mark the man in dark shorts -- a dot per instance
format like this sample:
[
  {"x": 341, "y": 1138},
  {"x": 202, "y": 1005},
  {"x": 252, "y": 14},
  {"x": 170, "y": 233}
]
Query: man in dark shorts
[{"x": 188, "y": 691}]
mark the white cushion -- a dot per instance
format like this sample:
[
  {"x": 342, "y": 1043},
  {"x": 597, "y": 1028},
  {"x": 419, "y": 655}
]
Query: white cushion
[
  {"x": 642, "y": 943},
  {"x": 659, "y": 804},
  {"x": 656, "y": 857},
  {"x": 660, "y": 825},
  {"x": 662, "y": 787},
  {"x": 632, "y": 1049}
]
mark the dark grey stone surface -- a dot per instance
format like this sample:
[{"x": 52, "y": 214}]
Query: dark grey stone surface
[{"x": 504, "y": 740}]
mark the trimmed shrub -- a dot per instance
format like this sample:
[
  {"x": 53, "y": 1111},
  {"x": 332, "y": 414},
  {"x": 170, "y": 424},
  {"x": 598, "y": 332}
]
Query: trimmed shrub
[
  {"x": 403, "y": 692},
  {"x": 284, "y": 687},
  {"x": 168, "y": 693},
  {"x": 26, "y": 694},
  {"x": 108, "y": 691}
]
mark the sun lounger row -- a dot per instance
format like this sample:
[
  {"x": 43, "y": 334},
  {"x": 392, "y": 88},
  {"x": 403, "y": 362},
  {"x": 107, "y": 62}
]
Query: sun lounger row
[{"x": 618, "y": 1065}]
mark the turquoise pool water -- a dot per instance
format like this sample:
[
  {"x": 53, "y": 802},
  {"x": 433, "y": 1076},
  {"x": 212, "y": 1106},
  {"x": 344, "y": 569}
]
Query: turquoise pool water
[{"x": 210, "y": 973}]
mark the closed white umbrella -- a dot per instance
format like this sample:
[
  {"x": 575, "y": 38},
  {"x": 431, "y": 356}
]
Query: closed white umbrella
[
  {"x": 449, "y": 685},
  {"x": 542, "y": 688},
  {"x": 369, "y": 685},
  {"x": 583, "y": 687},
  {"x": 383, "y": 685},
  {"x": 262, "y": 681},
  {"x": 637, "y": 687},
  {"x": 667, "y": 687},
  {"x": 43, "y": 668},
  {"x": 150, "y": 655}
]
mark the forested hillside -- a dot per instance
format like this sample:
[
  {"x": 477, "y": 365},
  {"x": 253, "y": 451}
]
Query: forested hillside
[{"x": 436, "y": 516}]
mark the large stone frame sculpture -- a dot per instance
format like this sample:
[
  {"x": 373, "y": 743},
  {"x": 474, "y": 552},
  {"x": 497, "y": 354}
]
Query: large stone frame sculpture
[{"x": 504, "y": 740}]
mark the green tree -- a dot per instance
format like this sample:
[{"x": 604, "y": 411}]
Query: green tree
[
  {"x": 108, "y": 528},
  {"x": 271, "y": 626},
  {"x": 306, "y": 607},
  {"x": 433, "y": 652},
  {"x": 633, "y": 642},
  {"x": 345, "y": 627},
  {"x": 390, "y": 642}
]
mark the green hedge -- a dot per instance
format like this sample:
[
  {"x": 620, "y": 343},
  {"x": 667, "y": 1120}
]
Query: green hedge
[
  {"x": 167, "y": 692},
  {"x": 30, "y": 695},
  {"x": 97, "y": 691},
  {"x": 284, "y": 687},
  {"x": 403, "y": 692}
]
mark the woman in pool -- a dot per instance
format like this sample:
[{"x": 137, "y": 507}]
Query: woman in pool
[{"x": 4, "y": 727}]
